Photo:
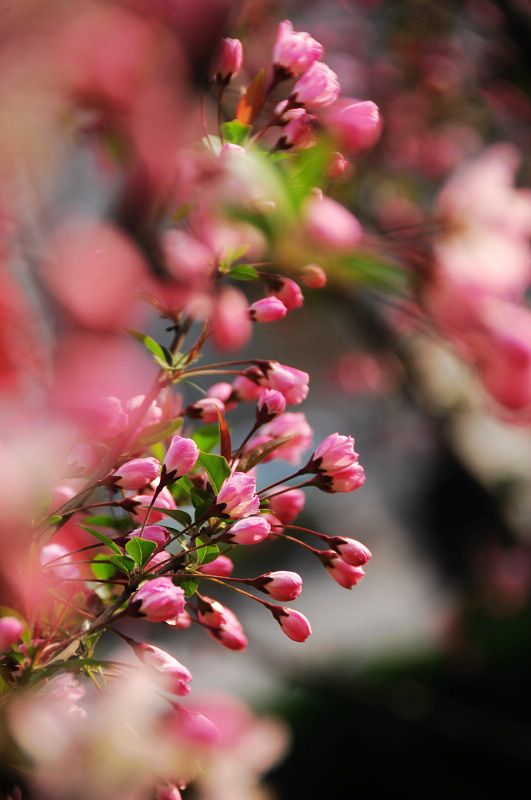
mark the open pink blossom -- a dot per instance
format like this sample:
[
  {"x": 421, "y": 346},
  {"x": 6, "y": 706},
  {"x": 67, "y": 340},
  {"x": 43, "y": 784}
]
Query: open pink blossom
[
  {"x": 178, "y": 676},
  {"x": 317, "y": 87},
  {"x": 291, "y": 382},
  {"x": 159, "y": 599},
  {"x": 237, "y": 496},
  {"x": 334, "y": 454},
  {"x": 295, "y": 425},
  {"x": 294, "y": 51}
]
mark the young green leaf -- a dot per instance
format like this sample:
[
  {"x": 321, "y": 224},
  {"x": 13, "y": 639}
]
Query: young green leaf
[
  {"x": 189, "y": 586},
  {"x": 140, "y": 550},
  {"x": 123, "y": 563},
  {"x": 216, "y": 468},
  {"x": 103, "y": 539},
  {"x": 152, "y": 345},
  {"x": 243, "y": 272},
  {"x": 206, "y": 437}
]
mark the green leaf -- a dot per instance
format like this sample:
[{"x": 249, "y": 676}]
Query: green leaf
[
  {"x": 207, "y": 436},
  {"x": 103, "y": 539},
  {"x": 103, "y": 569},
  {"x": 123, "y": 563},
  {"x": 371, "y": 271},
  {"x": 243, "y": 272},
  {"x": 189, "y": 586},
  {"x": 255, "y": 454},
  {"x": 178, "y": 515},
  {"x": 201, "y": 500},
  {"x": 152, "y": 434},
  {"x": 54, "y": 520},
  {"x": 207, "y": 553},
  {"x": 106, "y": 521},
  {"x": 140, "y": 550},
  {"x": 152, "y": 345},
  {"x": 235, "y": 132},
  {"x": 216, "y": 468}
]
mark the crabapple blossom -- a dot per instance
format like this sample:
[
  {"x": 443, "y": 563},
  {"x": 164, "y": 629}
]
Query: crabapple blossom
[
  {"x": 336, "y": 167},
  {"x": 246, "y": 390},
  {"x": 222, "y": 566},
  {"x": 356, "y": 124},
  {"x": 181, "y": 456},
  {"x": 206, "y": 409},
  {"x": 280, "y": 585},
  {"x": 313, "y": 275},
  {"x": 140, "y": 504},
  {"x": 293, "y": 623},
  {"x": 288, "y": 291},
  {"x": 137, "y": 473},
  {"x": 227, "y": 60},
  {"x": 295, "y": 425},
  {"x": 287, "y": 505},
  {"x": 295, "y": 51},
  {"x": 334, "y": 454},
  {"x": 168, "y": 792},
  {"x": 291, "y": 382},
  {"x": 268, "y": 309},
  {"x": 330, "y": 225},
  {"x": 351, "y": 551},
  {"x": 177, "y": 675},
  {"x": 346, "y": 480},
  {"x": 153, "y": 533},
  {"x": 299, "y": 130},
  {"x": 57, "y": 561},
  {"x": 344, "y": 574},
  {"x": 250, "y": 530},
  {"x": 270, "y": 405},
  {"x": 159, "y": 599},
  {"x": 83, "y": 458},
  {"x": 10, "y": 631},
  {"x": 317, "y": 87},
  {"x": 237, "y": 496},
  {"x": 223, "y": 625}
]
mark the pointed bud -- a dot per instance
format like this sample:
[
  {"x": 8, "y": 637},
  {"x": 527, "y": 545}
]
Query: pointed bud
[
  {"x": 268, "y": 309},
  {"x": 137, "y": 473},
  {"x": 181, "y": 456},
  {"x": 227, "y": 61},
  {"x": 270, "y": 405},
  {"x": 293, "y": 623},
  {"x": 351, "y": 551},
  {"x": 159, "y": 599},
  {"x": 250, "y": 530},
  {"x": 281, "y": 585}
]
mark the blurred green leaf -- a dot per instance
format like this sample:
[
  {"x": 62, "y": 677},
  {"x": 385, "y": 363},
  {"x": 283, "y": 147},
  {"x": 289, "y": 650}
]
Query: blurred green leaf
[
  {"x": 103, "y": 569},
  {"x": 207, "y": 436},
  {"x": 243, "y": 272},
  {"x": 235, "y": 132},
  {"x": 158, "y": 350}
]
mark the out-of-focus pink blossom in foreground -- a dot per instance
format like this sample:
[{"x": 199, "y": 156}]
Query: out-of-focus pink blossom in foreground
[
  {"x": 355, "y": 124},
  {"x": 314, "y": 276},
  {"x": 329, "y": 224},
  {"x": 10, "y": 631},
  {"x": 177, "y": 675}
]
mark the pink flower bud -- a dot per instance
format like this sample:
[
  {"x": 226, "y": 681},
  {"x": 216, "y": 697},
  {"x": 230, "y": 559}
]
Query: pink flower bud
[
  {"x": 181, "y": 456},
  {"x": 250, "y": 530},
  {"x": 299, "y": 130},
  {"x": 227, "y": 60},
  {"x": 336, "y": 166},
  {"x": 222, "y": 567},
  {"x": 168, "y": 792},
  {"x": 295, "y": 425},
  {"x": 344, "y": 574},
  {"x": 294, "y": 51},
  {"x": 221, "y": 390},
  {"x": 153, "y": 533},
  {"x": 10, "y": 631},
  {"x": 351, "y": 551},
  {"x": 289, "y": 292},
  {"x": 143, "y": 501},
  {"x": 159, "y": 599},
  {"x": 270, "y": 405},
  {"x": 347, "y": 480},
  {"x": 83, "y": 458},
  {"x": 223, "y": 625},
  {"x": 177, "y": 674},
  {"x": 291, "y": 382},
  {"x": 314, "y": 276},
  {"x": 355, "y": 124},
  {"x": 288, "y": 505},
  {"x": 330, "y": 225},
  {"x": 268, "y": 309},
  {"x": 293, "y": 623},
  {"x": 334, "y": 454},
  {"x": 281, "y": 585},
  {"x": 318, "y": 86},
  {"x": 205, "y": 409},
  {"x": 246, "y": 390},
  {"x": 238, "y": 497},
  {"x": 137, "y": 473},
  {"x": 182, "y": 621}
]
